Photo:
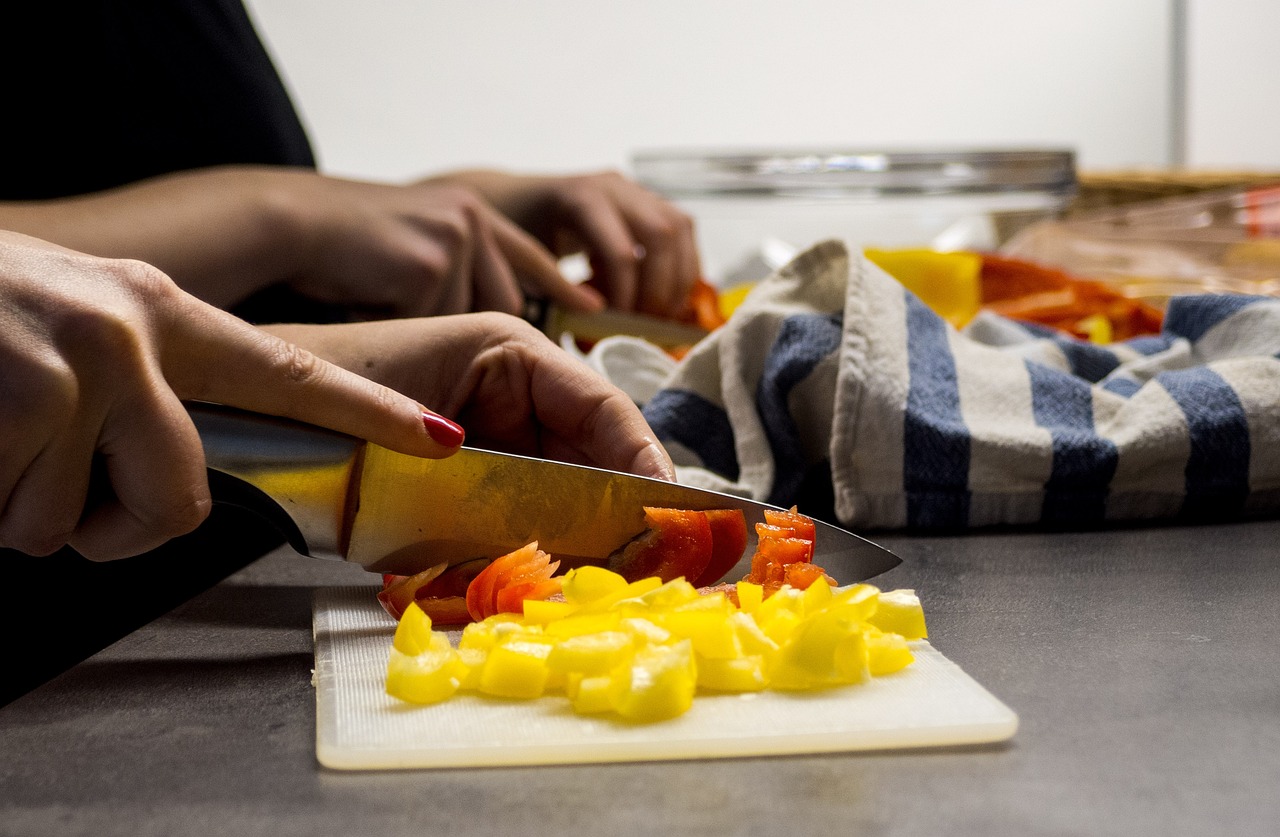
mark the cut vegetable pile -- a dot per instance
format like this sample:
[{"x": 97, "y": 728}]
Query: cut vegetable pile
[{"x": 639, "y": 649}]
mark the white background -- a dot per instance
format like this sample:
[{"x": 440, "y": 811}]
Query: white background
[{"x": 399, "y": 88}]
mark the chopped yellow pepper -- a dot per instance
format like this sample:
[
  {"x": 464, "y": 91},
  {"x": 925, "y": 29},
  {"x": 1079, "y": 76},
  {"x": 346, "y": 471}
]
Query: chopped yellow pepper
[{"x": 642, "y": 650}]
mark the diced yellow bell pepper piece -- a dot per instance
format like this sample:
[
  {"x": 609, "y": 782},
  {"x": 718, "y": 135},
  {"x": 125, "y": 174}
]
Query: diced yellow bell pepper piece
[
  {"x": 516, "y": 668},
  {"x": 595, "y": 694},
  {"x": 596, "y": 653},
  {"x": 660, "y": 683},
  {"x": 413, "y": 631},
  {"x": 542, "y": 612},
  {"x": 579, "y": 624},
  {"x": 752, "y": 640},
  {"x": 429, "y": 677},
  {"x": 817, "y": 596},
  {"x": 710, "y": 631},
  {"x": 635, "y": 590},
  {"x": 780, "y": 628},
  {"x": 675, "y": 592},
  {"x": 824, "y": 650},
  {"x": 472, "y": 660},
  {"x": 886, "y": 653},
  {"x": 786, "y": 599},
  {"x": 858, "y": 601},
  {"x": 716, "y": 602},
  {"x": 899, "y": 612},
  {"x": 749, "y": 596},
  {"x": 744, "y": 674},
  {"x": 644, "y": 631},
  {"x": 485, "y": 635},
  {"x": 584, "y": 585}
]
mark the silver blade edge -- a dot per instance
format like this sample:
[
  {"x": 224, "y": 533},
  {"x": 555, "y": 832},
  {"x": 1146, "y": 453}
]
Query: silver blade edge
[{"x": 413, "y": 513}]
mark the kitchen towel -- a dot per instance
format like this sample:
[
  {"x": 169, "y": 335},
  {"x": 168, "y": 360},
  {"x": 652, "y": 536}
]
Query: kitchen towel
[{"x": 834, "y": 388}]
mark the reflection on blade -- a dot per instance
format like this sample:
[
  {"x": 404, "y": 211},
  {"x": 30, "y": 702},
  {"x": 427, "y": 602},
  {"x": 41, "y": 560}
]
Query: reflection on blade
[{"x": 413, "y": 513}]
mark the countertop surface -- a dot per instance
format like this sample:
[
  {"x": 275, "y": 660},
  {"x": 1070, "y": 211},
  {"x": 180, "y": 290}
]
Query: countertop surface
[{"x": 1143, "y": 664}]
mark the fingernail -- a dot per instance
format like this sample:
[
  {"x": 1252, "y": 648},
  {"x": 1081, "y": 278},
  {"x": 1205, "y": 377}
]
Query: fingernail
[{"x": 443, "y": 431}]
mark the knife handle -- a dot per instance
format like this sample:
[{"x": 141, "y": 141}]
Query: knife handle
[{"x": 295, "y": 476}]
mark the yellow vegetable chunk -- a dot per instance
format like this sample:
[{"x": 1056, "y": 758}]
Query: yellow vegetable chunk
[
  {"x": 584, "y": 585},
  {"x": 579, "y": 624},
  {"x": 753, "y": 641},
  {"x": 949, "y": 283},
  {"x": 543, "y": 612},
  {"x": 744, "y": 674},
  {"x": 660, "y": 683},
  {"x": 413, "y": 631},
  {"x": 671, "y": 594},
  {"x": 886, "y": 653},
  {"x": 614, "y": 598},
  {"x": 710, "y": 632},
  {"x": 899, "y": 612},
  {"x": 472, "y": 660},
  {"x": 428, "y": 677},
  {"x": 824, "y": 650},
  {"x": 641, "y": 650},
  {"x": 485, "y": 635},
  {"x": 596, "y": 653},
  {"x": 749, "y": 596},
  {"x": 595, "y": 694},
  {"x": 516, "y": 668}
]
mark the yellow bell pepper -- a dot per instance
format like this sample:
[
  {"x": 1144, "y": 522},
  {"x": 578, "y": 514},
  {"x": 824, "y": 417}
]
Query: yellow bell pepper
[{"x": 642, "y": 650}]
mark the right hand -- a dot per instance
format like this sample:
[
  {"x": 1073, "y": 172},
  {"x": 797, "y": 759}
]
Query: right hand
[
  {"x": 424, "y": 249},
  {"x": 375, "y": 250},
  {"x": 96, "y": 356}
]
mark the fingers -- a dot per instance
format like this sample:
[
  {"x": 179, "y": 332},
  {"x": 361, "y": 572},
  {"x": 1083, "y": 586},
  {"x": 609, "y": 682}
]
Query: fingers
[
  {"x": 641, "y": 247},
  {"x": 539, "y": 269},
  {"x": 494, "y": 286},
  {"x": 45, "y": 501},
  {"x": 151, "y": 456},
  {"x": 278, "y": 378},
  {"x": 581, "y": 416}
]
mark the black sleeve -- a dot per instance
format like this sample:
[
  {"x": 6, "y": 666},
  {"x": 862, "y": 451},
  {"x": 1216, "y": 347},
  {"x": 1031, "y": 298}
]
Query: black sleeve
[{"x": 101, "y": 93}]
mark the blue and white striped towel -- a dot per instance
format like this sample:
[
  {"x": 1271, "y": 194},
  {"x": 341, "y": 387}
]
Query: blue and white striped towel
[{"x": 835, "y": 388}]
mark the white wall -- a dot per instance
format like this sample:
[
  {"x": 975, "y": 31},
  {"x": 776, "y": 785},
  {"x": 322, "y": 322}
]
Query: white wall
[
  {"x": 397, "y": 88},
  {"x": 1233, "y": 84}
]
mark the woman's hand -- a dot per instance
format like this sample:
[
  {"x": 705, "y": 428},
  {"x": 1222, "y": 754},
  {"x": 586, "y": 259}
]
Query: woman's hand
[
  {"x": 512, "y": 388},
  {"x": 96, "y": 356},
  {"x": 641, "y": 248},
  {"x": 376, "y": 250}
]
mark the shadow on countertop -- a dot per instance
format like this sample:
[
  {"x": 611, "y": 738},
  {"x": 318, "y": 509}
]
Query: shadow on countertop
[{"x": 59, "y": 610}]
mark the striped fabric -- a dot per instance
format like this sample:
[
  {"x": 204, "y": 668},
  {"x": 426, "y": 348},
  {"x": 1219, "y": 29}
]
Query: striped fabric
[{"x": 836, "y": 389}]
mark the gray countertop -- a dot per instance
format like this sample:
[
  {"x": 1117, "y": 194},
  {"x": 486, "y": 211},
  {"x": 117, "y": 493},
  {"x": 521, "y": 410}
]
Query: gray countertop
[{"x": 1143, "y": 664}]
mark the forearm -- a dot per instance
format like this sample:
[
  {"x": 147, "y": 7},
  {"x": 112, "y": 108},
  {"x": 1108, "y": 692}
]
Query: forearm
[{"x": 221, "y": 234}]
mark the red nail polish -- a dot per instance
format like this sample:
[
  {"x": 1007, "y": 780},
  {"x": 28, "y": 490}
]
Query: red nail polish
[{"x": 443, "y": 431}]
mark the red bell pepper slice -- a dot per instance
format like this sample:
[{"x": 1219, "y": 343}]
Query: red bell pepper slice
[
  {"x": 677, "y": 544},
  {"x": 728, "y": 543}
]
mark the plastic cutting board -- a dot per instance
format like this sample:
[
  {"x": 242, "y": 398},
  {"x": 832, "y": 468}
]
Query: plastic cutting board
[{"x": 358, "y": 727}]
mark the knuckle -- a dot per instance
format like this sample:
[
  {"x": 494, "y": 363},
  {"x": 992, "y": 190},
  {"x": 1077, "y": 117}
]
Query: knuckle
[
  {"x": 181, "y": 514},
  {"x": 296, "y": 364},
  {"x": 39, "y": 391},
  {"x": 34, "y": 540},
  {"x": 454, "y": 230}
]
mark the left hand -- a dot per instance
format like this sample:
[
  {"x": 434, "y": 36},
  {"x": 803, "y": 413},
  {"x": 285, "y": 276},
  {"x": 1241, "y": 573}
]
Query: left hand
[
  {"x": 641, "y": 248},
  {"x": 503, "y": 380}
]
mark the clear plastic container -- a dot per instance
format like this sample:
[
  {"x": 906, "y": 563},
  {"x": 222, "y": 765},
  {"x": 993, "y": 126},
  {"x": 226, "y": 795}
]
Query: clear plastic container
[
  {"x": 754, "y": 208},
  {"x": 1220, "y": 241}
]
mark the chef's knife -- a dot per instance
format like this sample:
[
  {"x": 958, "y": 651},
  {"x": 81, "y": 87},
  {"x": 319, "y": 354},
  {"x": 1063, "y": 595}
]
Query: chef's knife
[{"x": 335, "y": 496}]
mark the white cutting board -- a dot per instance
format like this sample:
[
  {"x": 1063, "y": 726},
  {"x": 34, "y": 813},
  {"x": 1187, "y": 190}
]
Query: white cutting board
[{"x": 359, "y": 727}]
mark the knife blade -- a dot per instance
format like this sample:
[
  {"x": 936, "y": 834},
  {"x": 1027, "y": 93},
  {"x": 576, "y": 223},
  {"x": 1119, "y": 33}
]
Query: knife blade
[{"x": 335, "y": 496}]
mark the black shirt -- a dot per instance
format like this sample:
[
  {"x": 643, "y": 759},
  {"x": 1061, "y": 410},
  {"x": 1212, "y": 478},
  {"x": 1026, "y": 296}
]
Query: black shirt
[{"x": 99, "y": 93}]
